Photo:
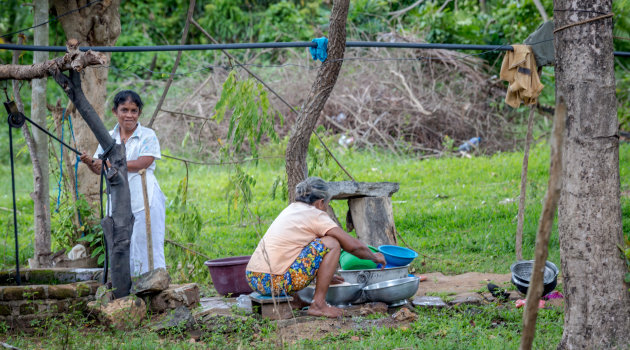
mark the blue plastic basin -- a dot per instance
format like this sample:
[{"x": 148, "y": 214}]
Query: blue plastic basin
[{"x": 397, "y": 256}]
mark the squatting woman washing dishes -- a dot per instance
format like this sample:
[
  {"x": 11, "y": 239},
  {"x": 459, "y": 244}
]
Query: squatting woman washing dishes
[{"x": 302, "y": 243}]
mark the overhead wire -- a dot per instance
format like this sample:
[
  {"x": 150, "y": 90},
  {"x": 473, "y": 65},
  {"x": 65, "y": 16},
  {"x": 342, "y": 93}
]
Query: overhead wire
[
  {"x": 232, "y": 65},
  {"x": 263, "y": 45},
  {"x": 275, "y": 45}
]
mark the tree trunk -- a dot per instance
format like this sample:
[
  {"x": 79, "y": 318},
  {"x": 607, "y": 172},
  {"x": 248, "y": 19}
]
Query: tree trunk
[
  {"x": 96, "y": 25},
  {"x": 41, "y": 199},
  {"x": 297, "y": 146},
  {"x": 597, "y": 301},
  {"x": 30, "y": 143}
]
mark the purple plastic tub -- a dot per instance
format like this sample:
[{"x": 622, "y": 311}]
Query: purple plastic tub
[{"x": 228, "y": 275}]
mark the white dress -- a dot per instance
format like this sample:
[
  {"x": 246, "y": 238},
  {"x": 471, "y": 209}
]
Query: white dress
[{"x": 144, "y": 142}]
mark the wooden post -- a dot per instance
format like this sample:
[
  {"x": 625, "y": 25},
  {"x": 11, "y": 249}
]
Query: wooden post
[
  {"x": 373, "y": 220},
  {"x": 521, "y": 199},
  {"x": 147, "y": 216}
]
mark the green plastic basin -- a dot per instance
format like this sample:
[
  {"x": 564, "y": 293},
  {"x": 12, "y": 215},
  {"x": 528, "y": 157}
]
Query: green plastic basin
[{"x": 351, "y": 262}]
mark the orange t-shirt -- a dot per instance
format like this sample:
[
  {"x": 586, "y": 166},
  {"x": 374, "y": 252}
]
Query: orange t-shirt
[{"x": 295, "y": 227}]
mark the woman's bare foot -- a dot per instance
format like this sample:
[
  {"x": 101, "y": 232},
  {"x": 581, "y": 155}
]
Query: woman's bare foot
[{"x": 323, "y": 309}]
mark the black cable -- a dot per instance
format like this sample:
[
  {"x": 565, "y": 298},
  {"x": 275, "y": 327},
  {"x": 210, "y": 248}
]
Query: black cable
[
  {"x": 15, "y": 226},
  {"x": 53, "y": 136},
  {"x": 270, "y": 45},
  {"x": 242, "y": 46},
  {"x": 54, "y": 19},
  {"x": 155, "y": 48}
]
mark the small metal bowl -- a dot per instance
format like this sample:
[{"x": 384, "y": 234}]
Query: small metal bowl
[
  {"x": 337, "y": 295},
  {"x": 522, "y": 273},
  {"x": 393, "y": 292}
]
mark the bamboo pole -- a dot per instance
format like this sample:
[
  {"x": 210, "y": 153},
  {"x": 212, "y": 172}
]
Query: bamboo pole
[{"x": 147, "y": 217}]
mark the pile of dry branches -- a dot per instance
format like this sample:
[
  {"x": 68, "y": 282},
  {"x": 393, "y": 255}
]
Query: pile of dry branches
[{"x": 402, "y": 100}]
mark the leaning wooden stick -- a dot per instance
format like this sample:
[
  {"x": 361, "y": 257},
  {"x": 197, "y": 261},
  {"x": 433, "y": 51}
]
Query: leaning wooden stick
[
  {"x": 147, "y": 216},
  {"x": 544, "y": 227},
  {"x": 521, "y": 199}
]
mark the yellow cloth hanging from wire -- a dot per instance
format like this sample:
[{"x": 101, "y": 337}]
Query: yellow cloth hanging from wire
[{"x": 520, "y": 71}]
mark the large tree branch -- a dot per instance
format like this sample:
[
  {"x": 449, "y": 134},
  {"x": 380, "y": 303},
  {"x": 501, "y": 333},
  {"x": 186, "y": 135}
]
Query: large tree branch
[{"x": 72, "y": 60}]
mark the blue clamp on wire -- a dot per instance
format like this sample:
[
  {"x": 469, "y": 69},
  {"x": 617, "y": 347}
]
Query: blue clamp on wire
[{"x": 321, "y": 51}]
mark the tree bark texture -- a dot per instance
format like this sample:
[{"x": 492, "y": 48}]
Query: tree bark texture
[
  {"x": 41, "y": 211},
  {"x": 597, "y": 301},
  {"x": 306, "y": 120},
  {"x": 96, "y": 25},
  {"x": 550, "y": 206}
]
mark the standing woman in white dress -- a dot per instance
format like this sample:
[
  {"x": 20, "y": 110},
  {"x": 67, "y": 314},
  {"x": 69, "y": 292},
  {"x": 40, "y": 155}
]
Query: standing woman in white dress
[{"x": 142, "y": 149}]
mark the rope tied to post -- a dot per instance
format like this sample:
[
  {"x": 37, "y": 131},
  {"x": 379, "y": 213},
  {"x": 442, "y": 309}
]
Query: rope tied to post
[{"x": 584, "y": 22}]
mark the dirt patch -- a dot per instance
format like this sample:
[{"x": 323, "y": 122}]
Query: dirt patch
[
  {"x": 469, "y": 282},
  {"x": 316, "y": 328}
]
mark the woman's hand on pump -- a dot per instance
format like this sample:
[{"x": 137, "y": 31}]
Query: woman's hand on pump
[
  {"x": 85, "y": 158},
  {"x": 93, "y": 165}
]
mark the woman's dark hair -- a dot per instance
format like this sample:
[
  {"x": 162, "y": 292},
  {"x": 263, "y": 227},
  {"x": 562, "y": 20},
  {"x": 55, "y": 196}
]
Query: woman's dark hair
[
  {"x": 127, "y": 95},
  {"x": 311, "y": 190}
]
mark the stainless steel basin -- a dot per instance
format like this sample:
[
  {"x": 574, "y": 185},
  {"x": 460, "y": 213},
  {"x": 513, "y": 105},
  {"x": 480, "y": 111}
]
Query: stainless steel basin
[
  {"x": 371, "y": 276},
  {"x": 393, "y": 292},
  {"x": 338, "y": 294}
]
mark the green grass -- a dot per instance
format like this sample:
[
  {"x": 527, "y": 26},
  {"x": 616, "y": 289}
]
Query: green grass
[
  {"x": 458, "y": 213},
  {"x": 488, "y": 327}
]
